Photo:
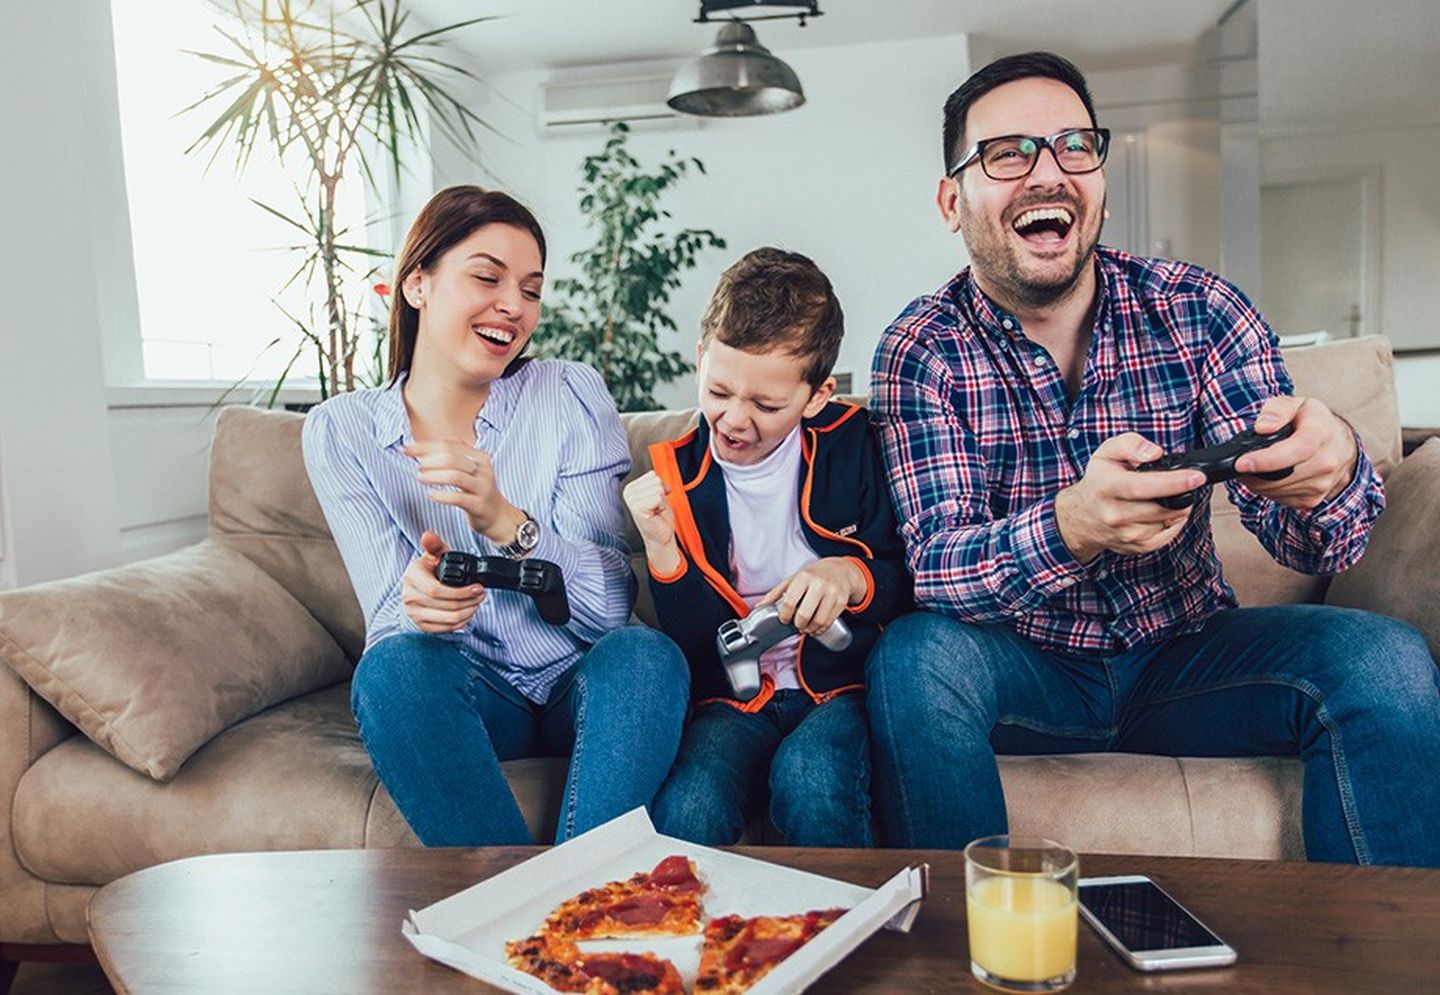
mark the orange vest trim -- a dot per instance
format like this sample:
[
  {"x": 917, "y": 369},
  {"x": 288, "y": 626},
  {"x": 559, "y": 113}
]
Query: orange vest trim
[
  {"x": 662, "y": 455},
  {"x": 805, "y": 512},
  {"x": 761, "y": 699},
  {"x": 670, "y": 578}
]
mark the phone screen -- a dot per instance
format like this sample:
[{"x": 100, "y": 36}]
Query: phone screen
[{"x": 1143, "y": 917}]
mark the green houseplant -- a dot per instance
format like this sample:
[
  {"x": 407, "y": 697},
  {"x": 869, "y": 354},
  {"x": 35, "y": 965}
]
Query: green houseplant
[
  {"x": 611, "y": 316},
  {"x": 332, "y": 90}
]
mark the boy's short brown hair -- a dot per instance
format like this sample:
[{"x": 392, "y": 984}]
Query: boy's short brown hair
[{"x": 772, "y": 299}]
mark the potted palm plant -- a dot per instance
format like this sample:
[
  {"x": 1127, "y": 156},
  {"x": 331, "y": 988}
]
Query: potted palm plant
[{"x": 333, "y": 89}]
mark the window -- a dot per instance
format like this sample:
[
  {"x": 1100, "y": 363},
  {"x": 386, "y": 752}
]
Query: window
[{"x": 209, "y": 263}]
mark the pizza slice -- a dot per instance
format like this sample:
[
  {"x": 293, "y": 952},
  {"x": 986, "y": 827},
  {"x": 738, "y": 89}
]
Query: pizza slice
[
  {"x": 739, "y": 952},
  {"x": 560, "y": 964},
  {"x": 552, "y": 960},
  {"x": 631, "y": 974},
  {"x": 664, "y": 901}
]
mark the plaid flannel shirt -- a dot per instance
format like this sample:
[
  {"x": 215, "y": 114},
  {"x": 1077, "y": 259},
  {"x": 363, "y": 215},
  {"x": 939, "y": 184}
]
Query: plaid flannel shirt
[{"x": 979, "y": 435}]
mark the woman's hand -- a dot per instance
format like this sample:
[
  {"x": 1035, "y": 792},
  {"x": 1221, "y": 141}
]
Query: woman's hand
[
  {"x": 814, "y": 596},
  {"x": 655, "y": 521},
  {"x": 463, "y": 476},
  {"x": 431, "y": 605}
]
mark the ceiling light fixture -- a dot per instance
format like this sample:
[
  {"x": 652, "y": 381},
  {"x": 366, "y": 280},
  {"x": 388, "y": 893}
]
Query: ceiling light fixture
[{"x": 739, "y": 77}]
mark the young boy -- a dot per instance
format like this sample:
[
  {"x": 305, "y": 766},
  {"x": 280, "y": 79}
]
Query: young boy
[{"x": 777, "y": 495}]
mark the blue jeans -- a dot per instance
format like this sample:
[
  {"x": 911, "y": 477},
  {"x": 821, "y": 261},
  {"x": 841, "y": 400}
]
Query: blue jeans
[
  {"x": 815, "y": 760},
  {"x": 1355, "y": 695},
  {"x": 438, "y": 721}
]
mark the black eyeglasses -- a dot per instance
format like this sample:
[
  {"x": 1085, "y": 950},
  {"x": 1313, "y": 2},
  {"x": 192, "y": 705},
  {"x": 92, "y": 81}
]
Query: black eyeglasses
[{"x": 1011, "y": 157}]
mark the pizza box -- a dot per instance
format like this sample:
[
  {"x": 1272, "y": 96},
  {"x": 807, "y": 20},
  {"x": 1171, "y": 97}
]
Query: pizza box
[{"x": 468, "y": 931}]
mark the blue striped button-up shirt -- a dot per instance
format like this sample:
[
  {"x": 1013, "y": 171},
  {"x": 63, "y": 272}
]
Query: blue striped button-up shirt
[
  {"x": 980, "y": 434},
  {"x": 559, "y": 452}
]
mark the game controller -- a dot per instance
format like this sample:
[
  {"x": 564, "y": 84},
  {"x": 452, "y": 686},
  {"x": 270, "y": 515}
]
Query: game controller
[
  {"x": 1218, "y": 463},
  {"x": 742, "y": 640},
  {"x": 540, "y": 579}
]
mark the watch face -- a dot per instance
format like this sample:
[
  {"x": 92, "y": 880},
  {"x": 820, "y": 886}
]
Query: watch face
[{"x": 528, "y": 534}]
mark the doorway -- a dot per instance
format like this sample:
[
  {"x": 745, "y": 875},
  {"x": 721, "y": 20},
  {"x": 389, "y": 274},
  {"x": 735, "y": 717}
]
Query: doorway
[{"x": 1319, "y": 255}]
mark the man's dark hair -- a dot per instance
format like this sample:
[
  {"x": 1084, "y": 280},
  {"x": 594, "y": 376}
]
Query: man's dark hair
[
  {"x": 1045, "y": 65},
  {"x": 772, "y": 299}
]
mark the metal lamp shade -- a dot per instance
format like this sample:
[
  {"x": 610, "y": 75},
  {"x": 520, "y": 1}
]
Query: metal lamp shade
[{"x": 737, "y": 78}]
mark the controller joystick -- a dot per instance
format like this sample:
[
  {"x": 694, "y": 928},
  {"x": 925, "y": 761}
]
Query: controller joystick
[
  {"x": 741, "y": 641},
  {"x": 540, "y": 579},
  {"x": 1218, "y": 463}
]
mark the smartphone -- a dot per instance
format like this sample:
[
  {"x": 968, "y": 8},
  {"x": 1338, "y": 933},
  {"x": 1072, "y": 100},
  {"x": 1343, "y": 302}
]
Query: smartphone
[{"x": 1147, "y": 927}]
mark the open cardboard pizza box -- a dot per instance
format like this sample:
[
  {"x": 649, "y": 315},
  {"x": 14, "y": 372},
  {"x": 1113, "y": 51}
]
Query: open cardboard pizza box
[{"x": 469, "y": 930}]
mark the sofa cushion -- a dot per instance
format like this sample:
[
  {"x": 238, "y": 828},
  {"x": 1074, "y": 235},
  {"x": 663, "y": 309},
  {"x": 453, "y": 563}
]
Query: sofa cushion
[
  {"x": 262, "y": 504},
  {"x": 1355, "y": 378},
  {"x": 1399, "y": 574},
  {"x": 294, "y": 777},
  {"x": 152, "y": 660}
]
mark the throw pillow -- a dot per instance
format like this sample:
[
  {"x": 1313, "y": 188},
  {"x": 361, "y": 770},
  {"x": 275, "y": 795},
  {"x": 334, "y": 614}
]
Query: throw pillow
[
  {"x": 152, "y": 660},
  {"x": 1398, "y": 574}
]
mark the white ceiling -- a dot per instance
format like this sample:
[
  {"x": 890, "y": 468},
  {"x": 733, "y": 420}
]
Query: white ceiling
[
  {"x": 560, "y": 33},
  {"x": 1321, "y": 61},
  {"x": 1357, "y": 64}
]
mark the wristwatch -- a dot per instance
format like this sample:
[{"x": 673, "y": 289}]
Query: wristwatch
[{"x": 527, "y": 536}]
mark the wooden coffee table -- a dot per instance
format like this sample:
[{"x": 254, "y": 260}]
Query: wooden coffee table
[{"x": 329, "y": 921}]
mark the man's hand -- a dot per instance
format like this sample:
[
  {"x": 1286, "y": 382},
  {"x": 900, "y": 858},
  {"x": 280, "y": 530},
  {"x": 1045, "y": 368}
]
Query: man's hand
[
  {"x": 1114, "y": 507},
  {"x": 655, "y": 520},
  {"x": 431, "y": 605},
  {"x": 463, "y": 476},
  {"x": 1322, "y": 451},
  {"x": 814, "y": 596}
]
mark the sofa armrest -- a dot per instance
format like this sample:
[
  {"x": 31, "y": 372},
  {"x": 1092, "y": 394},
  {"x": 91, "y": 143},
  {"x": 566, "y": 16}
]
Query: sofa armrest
[
  {"x": 29, "y": 728},
  {"x": 1397, "y": 575}
]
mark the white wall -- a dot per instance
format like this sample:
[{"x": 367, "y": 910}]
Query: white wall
[
  {"x": 61, "y": 155},
  {"x": 848, "y": 179}
]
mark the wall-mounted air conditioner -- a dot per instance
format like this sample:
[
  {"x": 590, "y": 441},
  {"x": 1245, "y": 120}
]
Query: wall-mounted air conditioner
[{"x": 579, "y": 104}]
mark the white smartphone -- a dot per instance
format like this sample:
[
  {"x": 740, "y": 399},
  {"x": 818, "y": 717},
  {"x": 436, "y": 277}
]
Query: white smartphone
[{"x": 1147, "y": 927}]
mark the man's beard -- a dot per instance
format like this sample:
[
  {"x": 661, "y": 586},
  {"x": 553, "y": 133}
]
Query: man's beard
[{"x": 998, "y": 261}]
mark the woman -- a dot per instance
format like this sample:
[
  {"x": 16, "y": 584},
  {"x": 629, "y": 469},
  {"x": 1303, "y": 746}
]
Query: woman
[{"x": 473, "y": 447}]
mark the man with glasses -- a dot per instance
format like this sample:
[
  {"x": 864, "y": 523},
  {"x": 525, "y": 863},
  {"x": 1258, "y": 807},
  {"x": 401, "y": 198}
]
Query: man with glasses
[{"x": 1070, "y": 610}]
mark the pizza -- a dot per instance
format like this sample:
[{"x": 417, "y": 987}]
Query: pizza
[
  {"x": 560, "y": 964},
  {"x": 739, "y": 952},
  {"x": 664, "y": 901}
]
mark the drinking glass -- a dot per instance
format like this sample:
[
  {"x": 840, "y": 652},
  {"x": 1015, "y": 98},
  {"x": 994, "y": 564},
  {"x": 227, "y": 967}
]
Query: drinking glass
[{"x": 1021, "y": 905}]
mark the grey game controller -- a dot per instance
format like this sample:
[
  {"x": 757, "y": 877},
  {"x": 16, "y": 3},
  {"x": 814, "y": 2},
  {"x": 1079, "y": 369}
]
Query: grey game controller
[{"x": 741, "y": 641}]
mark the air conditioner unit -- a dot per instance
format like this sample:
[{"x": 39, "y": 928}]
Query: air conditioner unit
[{"x": 589, "y": 104}]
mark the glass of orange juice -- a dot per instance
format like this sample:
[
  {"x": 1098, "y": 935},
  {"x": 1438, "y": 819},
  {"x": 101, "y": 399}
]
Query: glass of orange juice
[{"x": 1020, "y": 903}]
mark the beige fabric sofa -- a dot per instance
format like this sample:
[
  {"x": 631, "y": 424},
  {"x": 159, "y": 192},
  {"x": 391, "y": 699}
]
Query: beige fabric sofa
[{"x": 199, "y": 702}]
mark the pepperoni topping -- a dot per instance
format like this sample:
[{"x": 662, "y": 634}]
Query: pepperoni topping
[
  {"x": 674, "y": 873},
  {"x": 644, "y": 910},
  {"x": 769, "y": 951}
]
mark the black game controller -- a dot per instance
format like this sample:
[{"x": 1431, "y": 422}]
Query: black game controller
[
  {"x": 540, "y": 579},
  {"x": 1217, "y": 463}
]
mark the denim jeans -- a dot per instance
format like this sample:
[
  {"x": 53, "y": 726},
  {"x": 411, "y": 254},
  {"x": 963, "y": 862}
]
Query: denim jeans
[
  {"x": 814, "y": 759},
  {"x": 1355, "y": 695},
  {"x": 438, "y": 721}
]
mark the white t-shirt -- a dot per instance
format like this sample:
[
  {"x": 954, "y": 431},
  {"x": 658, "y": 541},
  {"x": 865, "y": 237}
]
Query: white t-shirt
[{"x": 766, "y": 541}]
